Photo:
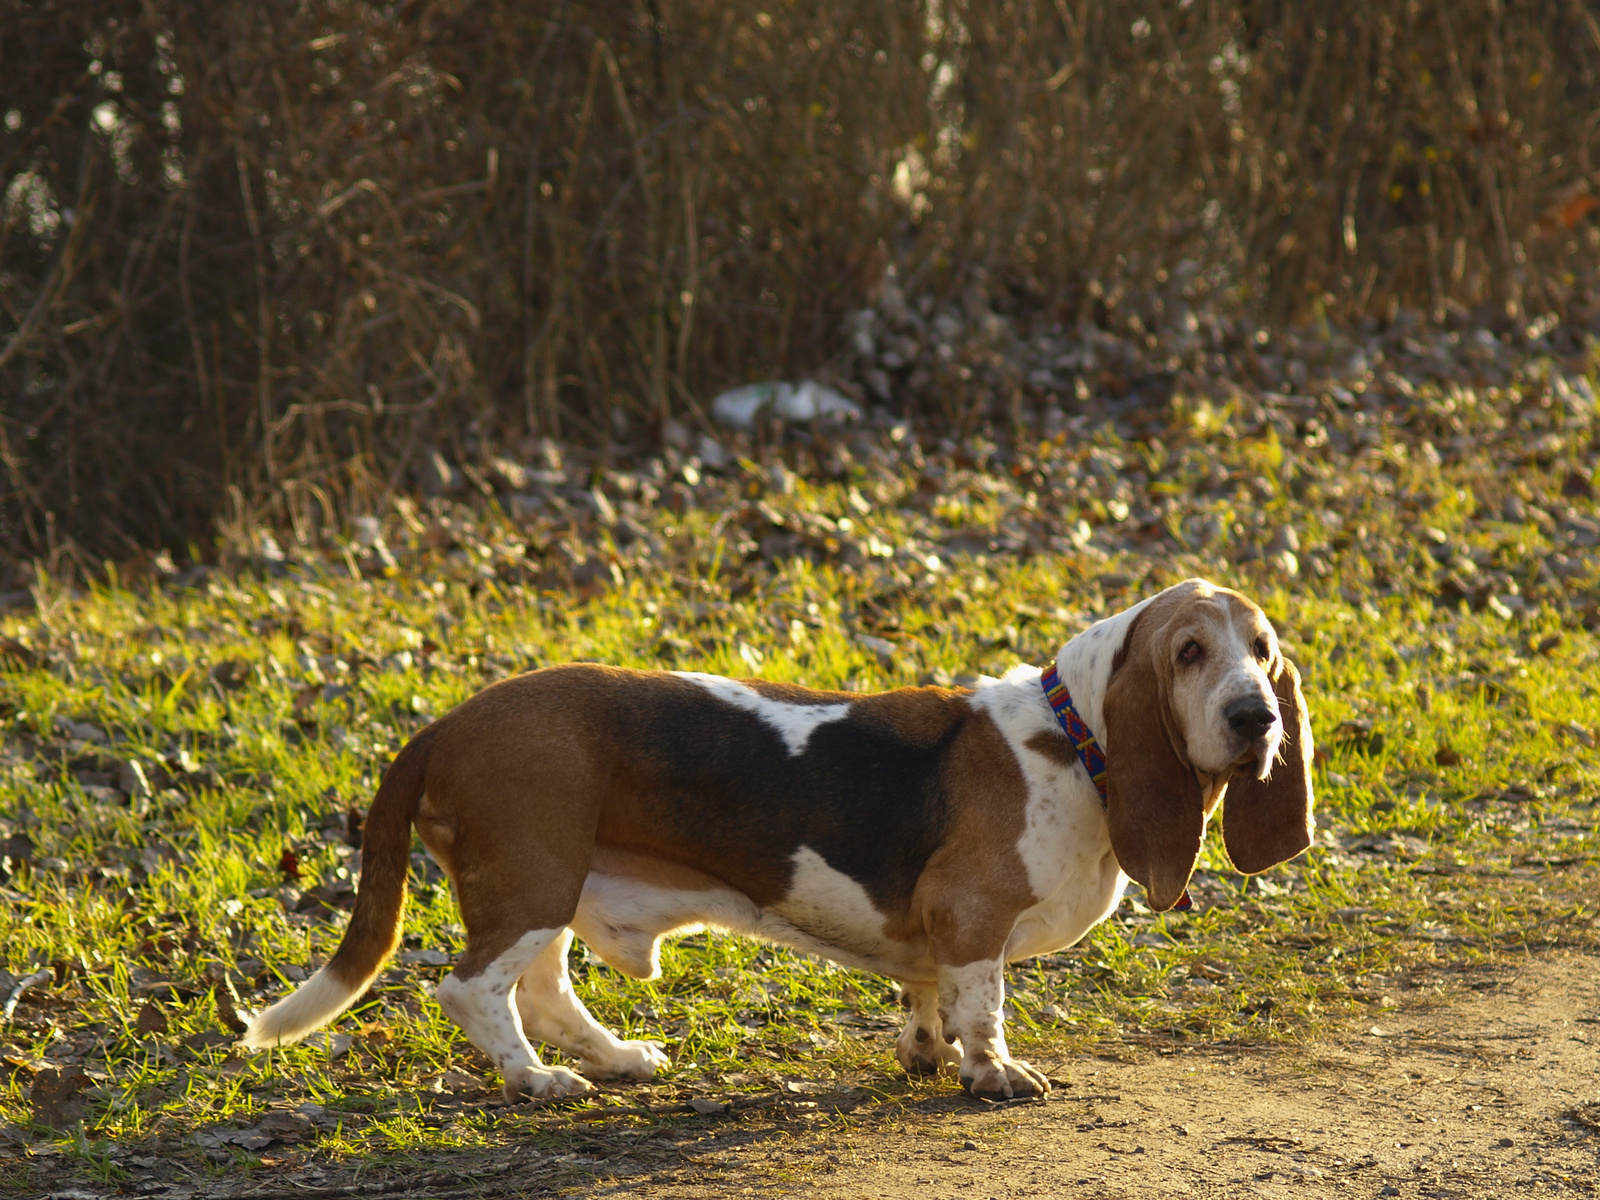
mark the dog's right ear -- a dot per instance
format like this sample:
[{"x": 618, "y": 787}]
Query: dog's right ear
[{"x": 1155, "y": 807}]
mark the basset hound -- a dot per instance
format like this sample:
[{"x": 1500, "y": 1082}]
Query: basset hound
[{"x": 927, "y": 834}]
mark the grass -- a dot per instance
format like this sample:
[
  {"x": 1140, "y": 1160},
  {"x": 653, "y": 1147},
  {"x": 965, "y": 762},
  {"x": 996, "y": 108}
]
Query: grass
[{"x": 1457, "y": 778}]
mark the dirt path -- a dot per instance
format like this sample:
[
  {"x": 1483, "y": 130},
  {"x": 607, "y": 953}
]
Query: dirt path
[{"x": 1493, "y": 1095}]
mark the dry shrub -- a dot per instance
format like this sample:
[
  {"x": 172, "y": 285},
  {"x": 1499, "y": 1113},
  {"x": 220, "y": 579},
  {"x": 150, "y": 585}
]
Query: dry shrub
[{"x": 261, "y": 258}]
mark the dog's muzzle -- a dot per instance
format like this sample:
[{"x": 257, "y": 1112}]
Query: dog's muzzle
[{"x": 1256, "y": 724}]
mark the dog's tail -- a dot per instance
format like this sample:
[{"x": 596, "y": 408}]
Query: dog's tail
[{"x": 374, "y": 929}]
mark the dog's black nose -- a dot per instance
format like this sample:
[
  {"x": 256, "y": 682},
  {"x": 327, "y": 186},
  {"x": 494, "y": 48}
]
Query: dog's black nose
[{"x": 1250, "y": 718}]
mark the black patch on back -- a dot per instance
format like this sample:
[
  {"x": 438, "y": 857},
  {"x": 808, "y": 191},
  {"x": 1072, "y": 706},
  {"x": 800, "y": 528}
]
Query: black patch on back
[{"x": 715, "y": 787}]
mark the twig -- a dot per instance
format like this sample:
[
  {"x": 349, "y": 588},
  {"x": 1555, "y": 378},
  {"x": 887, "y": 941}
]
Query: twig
[
  {"x": 263, "y": 315},
  {"x": 60, "y": 273},
  {"x": 27, "y": 982}
]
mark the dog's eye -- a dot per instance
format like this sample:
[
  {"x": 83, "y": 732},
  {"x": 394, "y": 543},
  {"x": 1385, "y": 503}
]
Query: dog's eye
[
  {"x": 1190, "y": 653},
  {"x": 1263, "y": 650}
]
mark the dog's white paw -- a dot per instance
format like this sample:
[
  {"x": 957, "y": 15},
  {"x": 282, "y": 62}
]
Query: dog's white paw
[
  {"x": 1002, "y": 1079},
  {"x": 634, "y": 1059},
  {"x": 543, "y": 1083}
]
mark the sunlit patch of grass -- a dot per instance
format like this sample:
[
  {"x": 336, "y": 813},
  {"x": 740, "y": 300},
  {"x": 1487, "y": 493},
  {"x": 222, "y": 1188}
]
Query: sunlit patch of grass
[{"x": 1457, "y": 779}]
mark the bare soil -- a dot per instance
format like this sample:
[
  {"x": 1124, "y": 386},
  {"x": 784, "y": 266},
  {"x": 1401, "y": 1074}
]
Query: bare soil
[
  {"x": 1489, "y": 1089},
  {"x": 1493, "y": 1093}
]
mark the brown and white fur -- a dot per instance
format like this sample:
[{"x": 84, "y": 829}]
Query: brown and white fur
[{"x": 927, "y": 834}]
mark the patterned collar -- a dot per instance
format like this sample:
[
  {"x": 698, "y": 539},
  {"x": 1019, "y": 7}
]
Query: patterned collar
[
  {"x": 1082, "y": 738},
  {"x": 1076, "y": 729}
]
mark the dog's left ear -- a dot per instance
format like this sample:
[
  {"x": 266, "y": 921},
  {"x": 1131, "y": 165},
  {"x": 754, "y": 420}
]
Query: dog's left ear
[{"x": 1269, "y": 821}]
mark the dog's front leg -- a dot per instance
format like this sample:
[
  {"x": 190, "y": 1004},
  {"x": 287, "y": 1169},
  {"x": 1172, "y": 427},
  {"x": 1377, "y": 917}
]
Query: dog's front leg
[{"x": 971, "y": 1006}]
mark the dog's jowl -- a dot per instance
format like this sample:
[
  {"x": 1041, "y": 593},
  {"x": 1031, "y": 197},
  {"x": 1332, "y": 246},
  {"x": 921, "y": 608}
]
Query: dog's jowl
[{"x": 927, "y": 834}]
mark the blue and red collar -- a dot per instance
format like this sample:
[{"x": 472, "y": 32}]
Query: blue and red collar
[
  {"x": 1083, "y": 741},
  {"x": 1076, "y": 729}
]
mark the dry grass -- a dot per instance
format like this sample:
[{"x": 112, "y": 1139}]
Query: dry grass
[{"x": 257, "y": 260}]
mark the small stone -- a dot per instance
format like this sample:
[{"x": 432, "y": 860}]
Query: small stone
[
  {"x": 132, "y": 780},
  {"x": 675, "y": 433},
  {"x": 969, "y": 1144},
  {"x": 230, "y": 675},
  {"x": 879, "y": 383},
  {"x": 711, "y": 452},
  {"x": 707, "y": 1107},
  {"x": 423, "y": 958}
]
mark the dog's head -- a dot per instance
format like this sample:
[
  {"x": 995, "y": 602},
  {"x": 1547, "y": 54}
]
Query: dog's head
[{"x": 1201, "y": 702}]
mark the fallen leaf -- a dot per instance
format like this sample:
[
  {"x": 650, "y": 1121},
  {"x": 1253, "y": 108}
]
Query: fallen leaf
[
  {"x": 285, "y": 1125},
  {"x": 460, "y": 1081},
  {"x": 336, "y": 1044},
  {"x": 228, "y": 1005},
  {"x": 55, "y": 1098},
  {"x": 151, "y": 1019},
  {"x": 305, "y": 699}
]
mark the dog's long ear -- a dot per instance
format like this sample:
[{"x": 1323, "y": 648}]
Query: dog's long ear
[
  {"x": 1268, "y": 821},
  {"x": 1154, "y": 802}
]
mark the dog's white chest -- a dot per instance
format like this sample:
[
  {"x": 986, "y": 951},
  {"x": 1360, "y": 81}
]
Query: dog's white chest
[{"x": 1086, "y": 897}]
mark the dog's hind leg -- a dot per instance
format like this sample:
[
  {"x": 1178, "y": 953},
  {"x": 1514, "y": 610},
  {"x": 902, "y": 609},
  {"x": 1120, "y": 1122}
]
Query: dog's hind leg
[
  {"x": 509, "y": 926},
  {"x": 479, "y": 1000},
  {"x": 921, "y": 1047},
  {"x": 552, "y": 1013}
]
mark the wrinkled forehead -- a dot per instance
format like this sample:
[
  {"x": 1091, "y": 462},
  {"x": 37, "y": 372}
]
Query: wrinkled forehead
[{"x": 1219, "y": 613}]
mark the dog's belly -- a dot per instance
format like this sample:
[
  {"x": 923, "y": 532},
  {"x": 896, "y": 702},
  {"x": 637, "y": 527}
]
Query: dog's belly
[
  {"x": 624, "y": 915},
  {"x": 828, "y": 913}
]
